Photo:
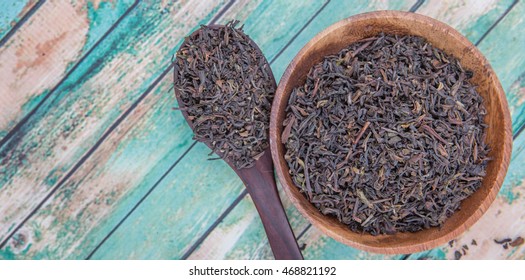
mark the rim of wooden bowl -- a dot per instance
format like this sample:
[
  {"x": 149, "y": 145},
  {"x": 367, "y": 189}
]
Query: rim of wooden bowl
[{"x": 360, "y": 26}]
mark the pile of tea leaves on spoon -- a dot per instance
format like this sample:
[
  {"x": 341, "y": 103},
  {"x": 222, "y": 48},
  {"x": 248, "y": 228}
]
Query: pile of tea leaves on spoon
[{"x": 226, "y": 87}]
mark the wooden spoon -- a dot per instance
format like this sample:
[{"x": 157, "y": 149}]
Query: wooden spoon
[{"x": 260, "y": 183}]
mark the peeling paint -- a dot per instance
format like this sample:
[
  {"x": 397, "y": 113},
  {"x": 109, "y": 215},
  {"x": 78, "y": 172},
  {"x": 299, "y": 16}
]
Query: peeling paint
[{"x": 12, "y": 12}]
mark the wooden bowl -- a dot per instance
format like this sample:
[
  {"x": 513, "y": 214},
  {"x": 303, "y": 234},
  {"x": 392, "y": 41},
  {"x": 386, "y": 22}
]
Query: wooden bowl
[{"x": 499, "y": 133}]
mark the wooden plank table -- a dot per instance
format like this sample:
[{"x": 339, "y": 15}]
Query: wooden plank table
[{"x": 96, "y": 164}]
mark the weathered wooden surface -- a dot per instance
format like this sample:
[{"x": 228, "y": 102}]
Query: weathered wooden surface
[
  {"x": 179, "y": 145},
  {"x": 47, "y": 46},
  {"x": 315, "y": 242},
  {"x": 174, "y": 227},
  {"x": 246, "y": 247},
  {"x": 103, "y": 168},
  {"x": 13, "y": 14},
  {"x": 54, "y": 142}
]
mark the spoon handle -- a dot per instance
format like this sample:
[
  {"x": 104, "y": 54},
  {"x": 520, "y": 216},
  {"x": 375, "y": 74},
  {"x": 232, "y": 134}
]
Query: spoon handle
[{"x": 260, "y": 183}]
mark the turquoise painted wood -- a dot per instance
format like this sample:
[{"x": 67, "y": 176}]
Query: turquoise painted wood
[
  {"x": 164, "y": 231},
  {"x": 333, "y": 13},
  {"x": 503, "y": 49},
  {"x": 173, "y": 204},
  {"x": 48, "y": 46},
  {"x": 472, "y": 18},
  {"x": 178, "y": 145},
  {"x": 107, "y": 200},
  {"x": 66, "y": 127},
  {"x": 245, "y": 246},
  {"x": 234, "y": 237},
  {"x": 489, "y": 14},
  {"x": 12, "y": 12},
  {"x": 125, "y": 179}
]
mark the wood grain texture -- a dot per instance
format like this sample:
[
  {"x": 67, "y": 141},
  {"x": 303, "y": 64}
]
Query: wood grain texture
[
  {"x": 504, "y": 49},
  {"x": 239, "y": 235},
  {"x": 101, "y": 89},
  {"x": 470, "y": 17},
  {"x": 42, "y": 50},
  {"x": 323, "y": 245},
  {"x": 333, "y": 12},
  {"x": 235, "y": 237},
  {"x": 499, "y": 134},
  {"x": 12, "y": 12},
  {"x": 245, "y": 247},
  {"x": 143, "y": 142},
  {"x": 489, "y": 16},
  {"x": 173, "y": 216},
  {"x": 260, "y": 183},
  {"x": 320, "y": 246},
  {"x": 76, "y": 220},
  {"x": 257, "y": 31}
]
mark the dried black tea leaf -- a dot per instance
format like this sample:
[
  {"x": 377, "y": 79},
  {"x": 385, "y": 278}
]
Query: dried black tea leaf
[
  {"x": 226, "y": 87},
  {"x": 303, "y": 246},
  {"x": 457, "y": 255},
  {"x": 517, "y": 242},
  {"x": 387, "y": 135},
  {"x": 502, "y": 241}
]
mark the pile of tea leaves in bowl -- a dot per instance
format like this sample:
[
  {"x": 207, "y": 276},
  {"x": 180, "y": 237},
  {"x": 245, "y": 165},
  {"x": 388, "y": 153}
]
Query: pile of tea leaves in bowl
[
  {"x": 226, "y": 88},
  {"x": 388, "y": 135}
]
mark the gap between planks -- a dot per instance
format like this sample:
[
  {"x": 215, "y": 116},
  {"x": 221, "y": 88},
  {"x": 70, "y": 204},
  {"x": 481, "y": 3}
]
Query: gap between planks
[
  {"x": 21, "y": 22},
  {"x": 107, "y": 132},
  {"x": 244, "y": 193},
  {"x": 418, "y": 2},
  {"x": 28, "y": 116},
  {"x": 415, "y": 7},
  {"x": 47, "y": 95}
]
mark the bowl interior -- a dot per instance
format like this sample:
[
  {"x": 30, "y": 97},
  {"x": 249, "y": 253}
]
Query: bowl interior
[{"x": 499, "y": 136}]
